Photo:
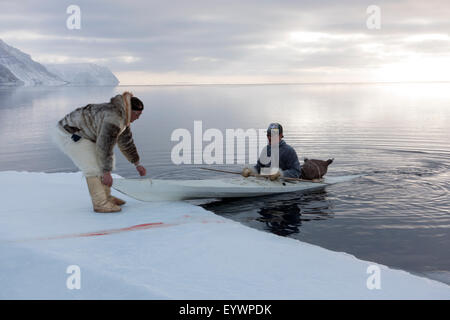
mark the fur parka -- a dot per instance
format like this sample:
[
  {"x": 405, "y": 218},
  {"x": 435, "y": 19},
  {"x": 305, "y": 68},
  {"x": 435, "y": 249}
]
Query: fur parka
[{"x": 105, "y": 124}]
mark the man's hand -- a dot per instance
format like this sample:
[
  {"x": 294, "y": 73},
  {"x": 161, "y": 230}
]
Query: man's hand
[
  {"x": 141, "y": 170},
  {"x": 275, "y": 176},
  {"x": 107, "y": 180},
  {"x": 246, "y": 172}
]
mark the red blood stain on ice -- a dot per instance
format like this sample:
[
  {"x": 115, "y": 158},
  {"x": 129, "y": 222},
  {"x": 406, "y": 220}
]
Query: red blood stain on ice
[
  {"x": 132, "y": 228},
  {"x": 109, "y": 231},
  {"x": 137, "y": 227}
]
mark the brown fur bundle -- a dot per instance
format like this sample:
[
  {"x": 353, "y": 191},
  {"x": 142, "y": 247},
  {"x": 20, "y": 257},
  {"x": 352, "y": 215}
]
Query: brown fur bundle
[{"x": 315, "y": 169}]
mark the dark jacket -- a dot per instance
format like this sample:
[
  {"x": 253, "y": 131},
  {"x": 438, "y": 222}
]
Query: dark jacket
[{"x": 288, "y": 163}]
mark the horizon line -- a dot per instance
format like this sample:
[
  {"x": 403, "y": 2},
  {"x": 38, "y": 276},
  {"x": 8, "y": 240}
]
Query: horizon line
[{"x": 285, "y": 83}]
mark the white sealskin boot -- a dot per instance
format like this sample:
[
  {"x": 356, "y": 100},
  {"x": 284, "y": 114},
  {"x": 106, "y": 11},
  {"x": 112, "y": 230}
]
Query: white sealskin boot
[
  {"x": 111, "y": 198},
  {"x": 99, "y": 198}
]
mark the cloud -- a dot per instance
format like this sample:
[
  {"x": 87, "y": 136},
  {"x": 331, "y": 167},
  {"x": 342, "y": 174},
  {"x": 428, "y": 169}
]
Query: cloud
[{"x": 298, "y": 41}]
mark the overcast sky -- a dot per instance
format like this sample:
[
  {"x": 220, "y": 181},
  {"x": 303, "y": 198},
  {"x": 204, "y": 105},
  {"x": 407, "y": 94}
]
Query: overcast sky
[{"x": 245, "y": 41}]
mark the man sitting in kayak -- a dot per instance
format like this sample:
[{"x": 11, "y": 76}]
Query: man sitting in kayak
[{"x": 289, "y": 165}]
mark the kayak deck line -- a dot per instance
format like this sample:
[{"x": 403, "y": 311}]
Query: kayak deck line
[{"x": 263, "y": 176}]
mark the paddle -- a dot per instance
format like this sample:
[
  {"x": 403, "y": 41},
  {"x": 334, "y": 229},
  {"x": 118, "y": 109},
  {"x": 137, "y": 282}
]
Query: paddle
[{"x": 262, "y": 176}]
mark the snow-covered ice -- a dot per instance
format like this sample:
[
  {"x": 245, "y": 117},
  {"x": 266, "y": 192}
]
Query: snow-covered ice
[{"x": 165, "y": 250}]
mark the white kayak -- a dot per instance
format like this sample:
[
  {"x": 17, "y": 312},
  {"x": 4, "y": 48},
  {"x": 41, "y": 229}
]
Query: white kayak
[{"x": 239, "y": 187}]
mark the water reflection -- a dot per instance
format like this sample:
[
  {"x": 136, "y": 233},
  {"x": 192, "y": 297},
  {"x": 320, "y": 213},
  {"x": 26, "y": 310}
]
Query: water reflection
[
  {"x": 283, "y": 220},
  {"x": 280, "y": 214}
]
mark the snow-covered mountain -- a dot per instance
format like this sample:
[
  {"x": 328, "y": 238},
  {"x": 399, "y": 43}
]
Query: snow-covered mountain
[
  {"x": 8, "y": 79},
  {"x": 17, "y": 68},
  {"x": 25, "y": 69},
  {"x": 84, "y": 74}
]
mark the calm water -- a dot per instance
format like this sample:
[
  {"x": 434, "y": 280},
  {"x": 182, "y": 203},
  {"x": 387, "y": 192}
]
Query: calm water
[{"x": 397, "y": 135}]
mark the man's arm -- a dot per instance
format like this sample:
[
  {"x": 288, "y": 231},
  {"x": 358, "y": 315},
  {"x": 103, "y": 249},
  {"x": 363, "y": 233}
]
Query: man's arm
[
  {"x": 127, "y": 146},
  {"x": 292, "y": 164},
  {"x": 106, "y": 139},
  {"x": 257, "y": 167},
  {"x": 263, "y": 161}
]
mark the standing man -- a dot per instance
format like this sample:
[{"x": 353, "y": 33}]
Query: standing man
[
  {"x": 88, "y": 136},
  {"x": 288, "y": 163}
]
